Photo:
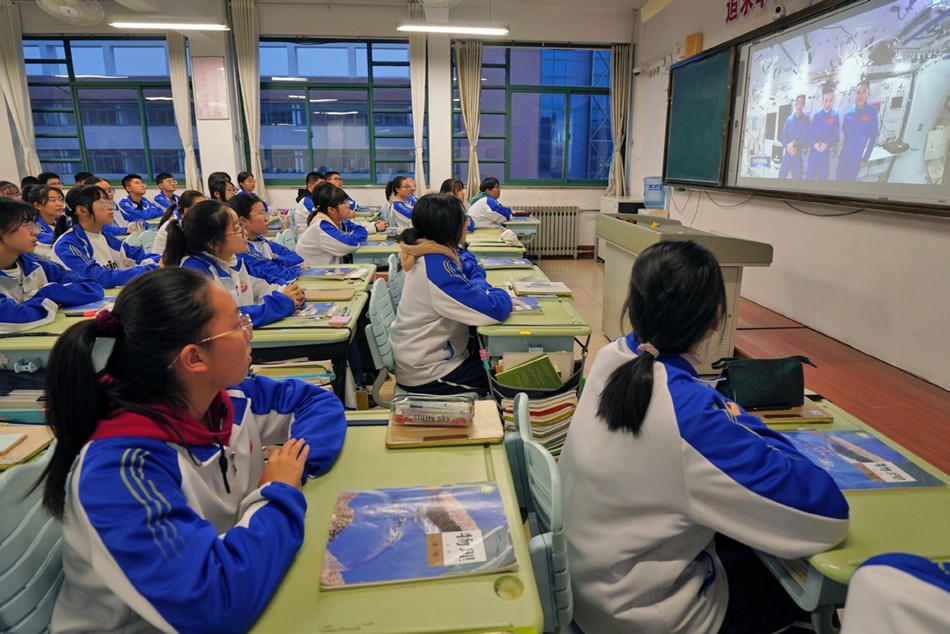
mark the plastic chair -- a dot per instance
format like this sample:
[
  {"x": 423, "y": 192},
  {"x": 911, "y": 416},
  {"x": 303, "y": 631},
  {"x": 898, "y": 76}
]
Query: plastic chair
[
  {"x": 548, "y": 547},
  {"x": 31, "y": 562},
  {"x": 287, "y": 238},
  {"x": 134, "y": 239},
  {"x": 381, "y": 317},
  {"x": 397, "y": 277},
  {"x": 147, "y": 239},
  {"x": 514, "y": 447}
]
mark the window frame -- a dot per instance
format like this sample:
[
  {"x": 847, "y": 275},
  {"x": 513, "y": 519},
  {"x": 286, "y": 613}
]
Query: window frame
[
  {"x": 512, "y": 89},
  {"x": 76, "y": 86},
  {"x": 369, "y": 87}
]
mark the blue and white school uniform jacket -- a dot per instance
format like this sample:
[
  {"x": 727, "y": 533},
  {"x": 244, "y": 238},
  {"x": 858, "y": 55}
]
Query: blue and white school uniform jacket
[
  {"x": 241, "y": 191},
  {"x": 161, "y": 236},
  {"x": 302, "y": 211},
  {"x": 164, "y": 201},
  {"x": 487, "y": 210},
  {"x": 439, "y": 303},
  {"x": 641, "y": 512},
  {"x": 324, "y": 244},
  {"x": 74, "y": 251},
  {"x": 898, "y": 593},
  {"x": 401, "y": 214},
  {"x": 271, "y": 261},
  {"x": 30, "y": 296},
  {"x": 254, "y": 296},
  {"x": 153, "y": 541},
  {"x": 130, "y": 212}
]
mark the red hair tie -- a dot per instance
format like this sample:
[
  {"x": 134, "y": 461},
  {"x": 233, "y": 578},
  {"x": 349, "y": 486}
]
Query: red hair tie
[{"x": 107, "y": 324}]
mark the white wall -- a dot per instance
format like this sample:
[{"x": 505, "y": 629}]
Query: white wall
[{"x": 878, "y": 281}]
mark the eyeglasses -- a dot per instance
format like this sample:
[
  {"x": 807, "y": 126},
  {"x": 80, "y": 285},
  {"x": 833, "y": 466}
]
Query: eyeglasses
[
  {"x": 32, "y": 225},
  {"x": 241, "y": 230},
  {"x": 108, "y": 204},
  {"x": 246, "y": 326}
]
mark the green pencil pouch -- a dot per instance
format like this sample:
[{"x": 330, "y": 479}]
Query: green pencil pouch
[{"x": 763, "y": 383}]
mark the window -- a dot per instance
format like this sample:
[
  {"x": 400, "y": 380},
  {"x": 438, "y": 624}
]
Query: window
[
  {"x": 544, "y": 117},
  {"x": 343, "y": 106},
  {"x": 104, "y": 106}
]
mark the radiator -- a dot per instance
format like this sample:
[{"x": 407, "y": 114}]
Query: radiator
[{"x": 557, "y": 235}]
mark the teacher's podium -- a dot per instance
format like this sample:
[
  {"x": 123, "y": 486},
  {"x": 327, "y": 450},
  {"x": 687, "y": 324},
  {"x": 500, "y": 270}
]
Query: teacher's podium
[{"x": 623, "y": 237}]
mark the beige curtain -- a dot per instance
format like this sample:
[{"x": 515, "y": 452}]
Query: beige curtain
[
  {"x": 621, "y": 81},
  {"x": 468, "y": 64},
  {"x": 417, "y": 72},
  {"x": 13, "y": 84},
  {"x": 181, "y": 100},
  {"x": 245, "y": 29}
]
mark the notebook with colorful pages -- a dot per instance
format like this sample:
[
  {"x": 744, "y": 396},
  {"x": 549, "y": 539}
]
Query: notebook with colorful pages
[
  {"x": 486, "y": 428},
  {"x": 540, "y": 287},
  {"x": 335, "y": 272},
  {"x": 526, "y": 305},
  {"x": 505, "y": 263},
  {"x": 384, "y": 536}
]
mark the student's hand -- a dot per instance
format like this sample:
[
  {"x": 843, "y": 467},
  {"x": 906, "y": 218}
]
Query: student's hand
[
  {"x": 381, "y": 225},
  {"x": 295, "y": 293},
  {"x": 161, "y": 262},
  {"x": 286, "y": 463}
]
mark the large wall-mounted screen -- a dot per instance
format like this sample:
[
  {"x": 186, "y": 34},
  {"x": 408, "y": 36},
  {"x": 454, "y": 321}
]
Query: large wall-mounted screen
[{"x": 855, "y": 103}]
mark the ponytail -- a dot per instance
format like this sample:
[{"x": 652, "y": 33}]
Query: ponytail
[
  {"x": 185, "y": 201},
  {"x": 205, "y": 225},
  {"x": 175, "y": 244},
  {"x": 624, "y": 401},
  {"x": 62, "y": 224}
]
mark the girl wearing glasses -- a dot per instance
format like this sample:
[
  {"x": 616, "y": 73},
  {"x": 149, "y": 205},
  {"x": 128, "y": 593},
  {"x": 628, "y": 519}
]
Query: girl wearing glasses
[
  {"x": 32, "y": 289},
  {"x": 269, "y": 260},
  {"x": 85, "y": 249},
  {"x": 398, "y": 193},
  {"x": 208, "y": 240},
  {"x": 158, "y": 472}
]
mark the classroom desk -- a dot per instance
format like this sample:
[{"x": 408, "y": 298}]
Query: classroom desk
[
  {"x": 496, "y": 250},
  {"x": 882, "y": 520},
  {"x": 553, "y": 329},
  {"x": 501, "y": 277},
  {"x": 375, "y": 253},
  {"x": 525, "y": 226},
  {"x": 36, "y": 342},
  {"x": 360, "y": 285},
  {"x": 462, "y": 604}
]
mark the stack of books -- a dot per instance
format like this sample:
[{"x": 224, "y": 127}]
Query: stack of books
[{"x": 550, "y": 418}]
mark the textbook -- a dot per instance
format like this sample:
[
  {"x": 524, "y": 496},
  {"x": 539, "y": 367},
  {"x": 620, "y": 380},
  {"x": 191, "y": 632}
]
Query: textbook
[
  {"x": 416, "y": 533},
  {"x": 26, "y": 441},
  {"x": 331, "y": 295},
  {"x": 526, "y": 305},
  {"x": 540, "y": 287},
  {"x": 505, "y": 263},
  {"x": 858, "y": 460},
  {"x": 335, "y": 272},
  {"x": 317, "y": 310},
  {"x": 807, "y": 412},
  {"x": 536, "y": 373},
  {"x": 319, "y": 373}
]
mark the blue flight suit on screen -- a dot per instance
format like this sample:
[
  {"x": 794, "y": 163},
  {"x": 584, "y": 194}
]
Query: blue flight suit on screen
[
  {"x": 859, "y": 135},
  {"x": 796, "y": 129},
  {"x": 825, "y": 127}
]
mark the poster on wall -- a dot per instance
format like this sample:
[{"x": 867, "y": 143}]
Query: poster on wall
[{"x": 211, "y": 88}]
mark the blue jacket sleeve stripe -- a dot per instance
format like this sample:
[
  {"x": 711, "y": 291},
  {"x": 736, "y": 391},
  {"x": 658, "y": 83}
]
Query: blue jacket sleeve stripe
[
  {"x": 493, "y": 303},
  {"x": 498, "y": 208}
]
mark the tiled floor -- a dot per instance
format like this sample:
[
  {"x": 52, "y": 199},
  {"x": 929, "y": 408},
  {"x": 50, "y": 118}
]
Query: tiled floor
[{"x": 913, "y": 412}]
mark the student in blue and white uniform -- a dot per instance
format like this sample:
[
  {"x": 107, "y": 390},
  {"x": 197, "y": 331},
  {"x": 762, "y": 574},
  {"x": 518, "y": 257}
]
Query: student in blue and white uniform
[
  {"x": 335, "y": 179},
  {"x": 112, "y": 228},
  {"x": 208, "y": 240},
  {"x": 135, "y": 206},
  {"x": 661, "y": 473},
  {"x": 485, "y": 208},
  {"x": 247, "y": 184},
  {"x": 85, "y": 249},
  {"x": 898, "y": 592},
  {"x": 32, "y": 289},
  {"x": 330, "y": 234},
  {"x": 412, "y": 193},
  {"x": 172, "y": 521},
  {"x": 167, "y": 185},
  {"x": 265, "y": 259},
  {"x": 48, "y": 201},
  {"x": 221, "y": 188},
  {"x": 304, "y": 206},
  {"x": 439, "y": 303},
  {"x": 456, "y": 188},
  {"x": 176, "y": 211},
  {"x": 397, "y": 193}
]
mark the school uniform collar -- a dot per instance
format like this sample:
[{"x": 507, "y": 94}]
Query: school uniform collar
[
  {"x": 223, "y": 268},
  {"x": 27, "y": 264},
  {"x": 114, "y": 243},
  {"x": 675, "y": 360}
]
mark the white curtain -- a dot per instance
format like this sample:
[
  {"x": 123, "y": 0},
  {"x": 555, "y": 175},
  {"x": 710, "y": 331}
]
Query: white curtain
[
  {"x": 13, "y": 84},
  {"x": 468, "y": 62},
  {"x": 245, "y": 28},
  {"x": 621, "y": 69},
  {"x": 181, "y": 99},
  {"x": 417, "y": 73}
]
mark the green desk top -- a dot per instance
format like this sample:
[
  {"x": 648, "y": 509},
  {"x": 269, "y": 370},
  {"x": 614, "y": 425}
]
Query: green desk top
[
  {"x": 302, "y": 331},
  {"x": 41, "y": 338},
  {"x": 557, "y": 319},
  {"x": 522, "y": 221},
  {"x": 360, "y": 285},
  {"x": 375, "y": 248},
  {"x": 885, "y": 520},
  {"x": 496, "y": 249},
  {"x": 501, "y": 277},
  {"x": 461, "y": 604}
]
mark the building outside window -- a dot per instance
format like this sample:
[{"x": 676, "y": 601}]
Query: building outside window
[
  {"x": 103, "y": 106},
  {"x": 544, "y": 117},
  {"x": 335, "y": 105}
]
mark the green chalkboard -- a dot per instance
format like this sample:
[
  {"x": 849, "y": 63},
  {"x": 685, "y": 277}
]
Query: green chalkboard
[{"x": 697, "y": 120}]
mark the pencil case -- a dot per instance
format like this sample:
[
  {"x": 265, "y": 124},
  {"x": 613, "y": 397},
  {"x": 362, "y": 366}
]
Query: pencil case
[
  {"x": 433, "y": 411},
  {"x": 763, "y": 383}
]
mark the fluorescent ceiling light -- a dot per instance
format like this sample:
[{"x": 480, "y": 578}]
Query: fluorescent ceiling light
[
  {"x": 460, "y": 30},
  {"x": 332, "y": 113},
  {"x": 171, "y": 26},
  {"x": 296, "y": 97},
  {"x": 288, "y": 79},
  {"x": 159, "y": 99},
  {"x": 322, "y": 100},
  {"x": 93, "y": 76}
]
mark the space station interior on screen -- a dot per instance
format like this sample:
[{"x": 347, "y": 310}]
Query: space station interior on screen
[{"x": 859, "y": 99}]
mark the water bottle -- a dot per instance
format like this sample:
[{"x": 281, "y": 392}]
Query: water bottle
[{"x": 654, "y": 193}]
